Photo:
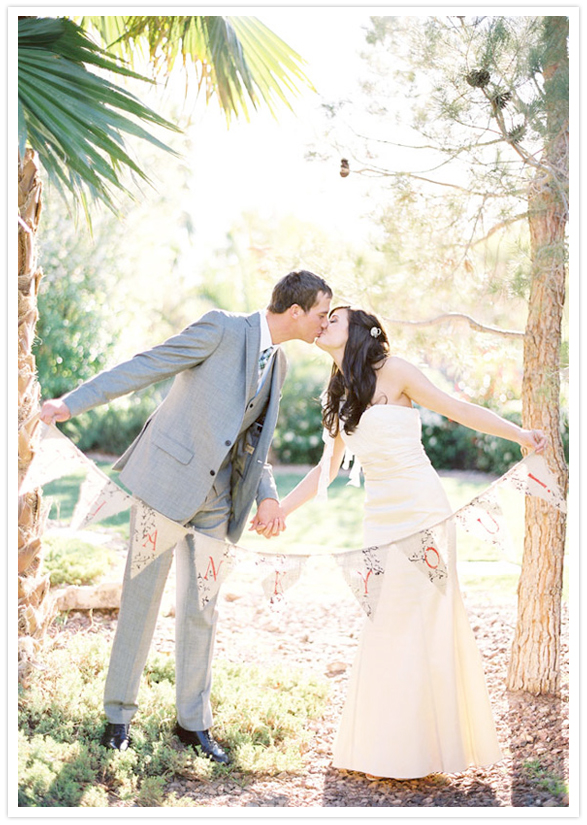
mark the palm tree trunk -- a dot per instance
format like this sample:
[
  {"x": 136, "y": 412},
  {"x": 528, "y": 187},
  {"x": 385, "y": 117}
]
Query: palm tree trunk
[
  {"x": 35, "y": 610},
  {"x": 535, "y": 662}
]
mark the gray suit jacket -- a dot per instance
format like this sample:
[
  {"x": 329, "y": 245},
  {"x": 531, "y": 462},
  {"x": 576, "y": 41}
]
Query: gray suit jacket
[{"x": 171, "y": 465}]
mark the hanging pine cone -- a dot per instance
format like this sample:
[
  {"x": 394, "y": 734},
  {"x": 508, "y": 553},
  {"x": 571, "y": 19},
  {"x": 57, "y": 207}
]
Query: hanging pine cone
[
  {"x": 517, "y": 133},
  {"x": 344, "y": 168},
  {"x": 501, "y": 99},
  {"x": 479, "y": 78}
]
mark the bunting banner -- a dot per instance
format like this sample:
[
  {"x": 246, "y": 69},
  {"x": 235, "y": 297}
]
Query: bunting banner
[
  {"x": 99, "y": 498},
  {"x": 363, "y": 571},
  {"x": 282, "y": 571},
  {"x": 533, "y": 477},
  {"x": 428, "y": 552},
  {"x": 214, "y": 561},
  {"x": 152, "y": 534},
  {"x": 55, "y": 457},
  {"x": 483, "y": 517}
]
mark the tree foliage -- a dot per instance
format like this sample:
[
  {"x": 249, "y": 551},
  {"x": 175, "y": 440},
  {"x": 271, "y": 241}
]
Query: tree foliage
[
  {"x": 447, "y": 143},
  {"x": 76, "y": 119},
  {"x": 236, "y": 60}
]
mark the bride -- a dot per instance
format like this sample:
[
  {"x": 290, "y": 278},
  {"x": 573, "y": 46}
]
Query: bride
[{"x": 417, "y": 702}]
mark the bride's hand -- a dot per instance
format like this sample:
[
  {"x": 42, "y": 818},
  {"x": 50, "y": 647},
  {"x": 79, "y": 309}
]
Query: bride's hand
[{"x": 533, "y": 440}]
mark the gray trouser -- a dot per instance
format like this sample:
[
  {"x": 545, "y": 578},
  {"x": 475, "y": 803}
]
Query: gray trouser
[{"x": 194, "y": 628}]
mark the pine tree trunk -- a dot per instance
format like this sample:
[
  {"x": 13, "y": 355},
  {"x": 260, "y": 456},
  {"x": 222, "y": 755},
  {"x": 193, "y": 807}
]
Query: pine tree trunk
[
  {"x": 35, "y": 610},
  {"x": 535, "y": 660}
]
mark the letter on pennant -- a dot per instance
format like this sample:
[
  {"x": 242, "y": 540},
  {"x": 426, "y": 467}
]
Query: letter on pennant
[
  {"x": 428, "y": 551},
  {"x": 99, "y": 498},
  {"x": 215, "y": 559},
  {"x": 533, "y": 477},
  {"x": 484, "y": 518},
  {"x": 151, "y": 535},
  {"x": 363, "y": 571}
]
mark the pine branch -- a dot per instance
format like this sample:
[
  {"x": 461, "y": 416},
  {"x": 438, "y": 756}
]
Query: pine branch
[
  {"x": 501, "y": 225},
  {"x": 448, "y": 317}
]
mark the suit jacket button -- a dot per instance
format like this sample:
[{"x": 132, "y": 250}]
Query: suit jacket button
[
  {"x": 212, "y": 473},
  {"x": 227, "y": 443}
]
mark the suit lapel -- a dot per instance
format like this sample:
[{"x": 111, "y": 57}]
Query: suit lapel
[{"x": 252, "y": 344}]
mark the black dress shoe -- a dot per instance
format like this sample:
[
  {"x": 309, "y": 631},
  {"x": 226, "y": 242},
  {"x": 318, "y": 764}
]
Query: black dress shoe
[
  {"x": 204, "y": 741},
  {"x": 116, "y": 737}
]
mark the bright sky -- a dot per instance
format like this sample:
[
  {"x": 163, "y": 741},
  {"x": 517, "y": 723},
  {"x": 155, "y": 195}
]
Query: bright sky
[{"x": 260, "y": 165}]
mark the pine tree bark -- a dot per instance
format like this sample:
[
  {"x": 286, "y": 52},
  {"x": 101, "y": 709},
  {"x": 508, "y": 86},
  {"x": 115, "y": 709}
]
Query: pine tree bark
[
  {"x": 535, "y": 659},
  {"x": 35, "y": 609}
]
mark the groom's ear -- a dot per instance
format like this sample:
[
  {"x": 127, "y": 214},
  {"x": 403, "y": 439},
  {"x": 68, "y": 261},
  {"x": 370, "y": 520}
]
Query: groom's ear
[{"x": 295, "y": 310}]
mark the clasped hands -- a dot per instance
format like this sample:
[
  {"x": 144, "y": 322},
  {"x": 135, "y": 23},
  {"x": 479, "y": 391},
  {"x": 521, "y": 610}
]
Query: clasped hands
[{"x": 269, "y": 520}]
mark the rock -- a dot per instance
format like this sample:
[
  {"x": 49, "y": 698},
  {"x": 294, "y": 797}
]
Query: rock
[
  {"x": 334, "y": 668},
  {"x": 104, "y": 596}
]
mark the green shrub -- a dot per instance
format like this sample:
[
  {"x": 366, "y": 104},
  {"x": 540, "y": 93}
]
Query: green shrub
[
  {"x": 71, "y": 561},
  {"x": 450, "y": 446},
  {"x": 298, "y": 435},
  {"x": 77, "y": 330}
]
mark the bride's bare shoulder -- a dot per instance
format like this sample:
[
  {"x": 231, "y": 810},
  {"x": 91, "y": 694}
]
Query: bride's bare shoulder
[{"x": 394, "y": 365}]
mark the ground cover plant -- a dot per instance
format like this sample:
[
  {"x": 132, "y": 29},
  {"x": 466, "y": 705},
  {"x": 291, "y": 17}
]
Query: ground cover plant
[{"x": 261, "y": 715}]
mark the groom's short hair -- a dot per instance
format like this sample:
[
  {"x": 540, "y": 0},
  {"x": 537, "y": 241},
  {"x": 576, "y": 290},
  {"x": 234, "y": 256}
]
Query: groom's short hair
[{"x": 301, "y": 288}]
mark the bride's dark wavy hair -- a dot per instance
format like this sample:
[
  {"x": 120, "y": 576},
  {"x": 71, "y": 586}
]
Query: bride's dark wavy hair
[{"x": 351, "y": 388}]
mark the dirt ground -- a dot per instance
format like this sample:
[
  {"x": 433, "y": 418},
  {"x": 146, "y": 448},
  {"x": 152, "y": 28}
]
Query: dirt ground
[{"x": 318, "y": 630}]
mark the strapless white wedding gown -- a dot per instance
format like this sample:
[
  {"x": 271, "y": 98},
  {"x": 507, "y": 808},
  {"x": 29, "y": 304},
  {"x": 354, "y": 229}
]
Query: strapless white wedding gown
[{"x": 417, "y": 702}]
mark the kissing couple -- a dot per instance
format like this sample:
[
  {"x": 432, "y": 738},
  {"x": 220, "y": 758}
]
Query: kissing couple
[{"x": 417, "y": 701}]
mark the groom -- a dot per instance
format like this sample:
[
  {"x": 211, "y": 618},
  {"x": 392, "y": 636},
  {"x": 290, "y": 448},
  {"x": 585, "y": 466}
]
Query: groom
[{"x": 200, "y": 460}]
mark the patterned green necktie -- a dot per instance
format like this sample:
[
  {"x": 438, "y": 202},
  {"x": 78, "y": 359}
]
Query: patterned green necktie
[{"x": 264, "y": 358}]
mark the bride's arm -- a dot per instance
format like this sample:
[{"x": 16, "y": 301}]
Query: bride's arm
[
  {"x": 417, "y": 387},
  {"x": 308, "y": 486}
]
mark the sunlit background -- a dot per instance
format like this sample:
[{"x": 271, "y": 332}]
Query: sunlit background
[{"x": 241, "y": 206}]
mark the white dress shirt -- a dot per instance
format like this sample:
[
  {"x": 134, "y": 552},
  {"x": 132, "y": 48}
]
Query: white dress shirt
[{"x": 265, "y": 342}]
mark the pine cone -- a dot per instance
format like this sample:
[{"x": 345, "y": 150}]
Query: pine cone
[
  {"x": 517, "y": 133},
  {"x": 501, "y": 99},
  {"x": 479, "y": 78}
]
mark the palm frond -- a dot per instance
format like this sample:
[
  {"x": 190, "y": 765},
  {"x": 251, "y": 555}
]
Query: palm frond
[
  {"x": 237, "y": 60},
  {"x": 75, "y": 119}
]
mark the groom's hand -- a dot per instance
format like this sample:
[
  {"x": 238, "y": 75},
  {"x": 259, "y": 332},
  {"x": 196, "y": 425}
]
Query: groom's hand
[
  {"x": 54, "y": 410},
  {"x": 269, "y": 519}
]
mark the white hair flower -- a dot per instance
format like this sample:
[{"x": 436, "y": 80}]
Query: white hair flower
[{"x": 375, "y": 332}]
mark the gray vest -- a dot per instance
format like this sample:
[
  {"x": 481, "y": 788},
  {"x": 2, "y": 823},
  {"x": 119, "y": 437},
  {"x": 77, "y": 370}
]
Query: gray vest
[{"x": 254, "y": 409}]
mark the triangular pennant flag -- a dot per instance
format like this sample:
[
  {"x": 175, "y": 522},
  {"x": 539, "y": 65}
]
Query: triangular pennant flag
[
  {"x": 99, "y": 498},
  {"x": 363, "y": 571},
  {"x": 285, "y": 570},
  {"x": 483, "y": 518},
  {"x": 56, "y": 456},
  {"x": 215, "y": 559},
  {"x": 151, "y": 534},
  {"x": 533, "y": 477},
  {"x": 428, "y": 550}
]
